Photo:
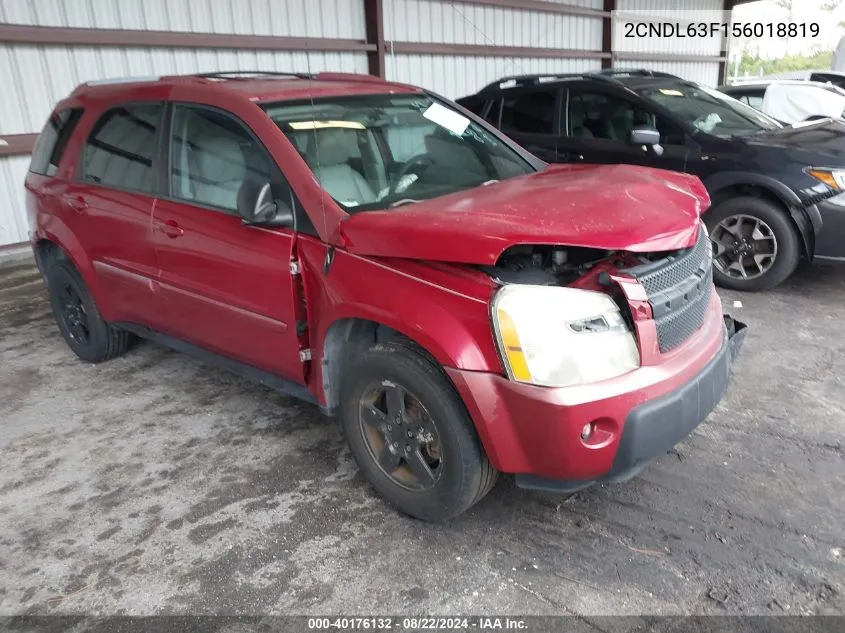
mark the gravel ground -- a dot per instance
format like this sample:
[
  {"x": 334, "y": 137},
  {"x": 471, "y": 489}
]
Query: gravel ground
[{"x": 153, "y": 484}]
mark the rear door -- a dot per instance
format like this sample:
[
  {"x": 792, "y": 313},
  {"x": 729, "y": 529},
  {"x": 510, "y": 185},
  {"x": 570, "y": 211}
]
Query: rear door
[
  {"x": 530, "y": 117},
  {"x": 109, "y": 207},
  {"x": 227, "y": 287},
  {"x": 597, "y": 121}
]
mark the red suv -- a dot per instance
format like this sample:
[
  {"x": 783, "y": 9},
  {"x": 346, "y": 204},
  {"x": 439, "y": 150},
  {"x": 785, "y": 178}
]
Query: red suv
[{"x": 463, "y": 308}]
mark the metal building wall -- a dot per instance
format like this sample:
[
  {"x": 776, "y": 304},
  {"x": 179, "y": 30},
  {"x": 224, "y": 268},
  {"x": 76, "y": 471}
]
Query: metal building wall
[
  {"x": 434, "y": 21},
  {"x": 705, "y": 72},
  {"x": 34, "y": 77}
]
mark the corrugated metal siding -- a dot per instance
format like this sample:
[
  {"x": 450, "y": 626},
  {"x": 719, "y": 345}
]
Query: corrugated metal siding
[
  {"x": 301, "y": 18},
  {"x": 433, "y": 21},
  {"x": 457, "y": 23},
  {"x": 13, "y": 222},
  {"x": 706, "y": 11},
  {"x": 455, "y": 77},
  {"x": 706, "y": 73},
  {"x": 35, "y": 77},
  {"x": 675, "y": 8}
]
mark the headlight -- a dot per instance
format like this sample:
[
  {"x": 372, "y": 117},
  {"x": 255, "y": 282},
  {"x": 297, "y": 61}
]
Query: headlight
[
  {"x": 833, "y": 178},
  {"x": 558, "y": 337}
]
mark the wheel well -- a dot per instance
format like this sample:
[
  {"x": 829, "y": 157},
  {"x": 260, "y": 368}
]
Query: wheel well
[
  {"x": 47, "y": 252},
  {"x": 757, "y": 191},
  {"x": 347, "y": 338}
]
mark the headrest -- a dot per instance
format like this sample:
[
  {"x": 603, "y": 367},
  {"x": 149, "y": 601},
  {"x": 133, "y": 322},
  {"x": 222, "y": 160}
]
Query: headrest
[
  {"x": 333, "y": 147},
  {"x": 220, "y": 157}
]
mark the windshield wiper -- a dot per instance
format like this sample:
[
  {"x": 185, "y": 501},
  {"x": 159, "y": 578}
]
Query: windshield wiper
[{"x": 403, "y": 201}]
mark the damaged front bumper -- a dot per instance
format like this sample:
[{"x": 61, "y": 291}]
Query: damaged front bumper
[{"x": 654, "y": 427}]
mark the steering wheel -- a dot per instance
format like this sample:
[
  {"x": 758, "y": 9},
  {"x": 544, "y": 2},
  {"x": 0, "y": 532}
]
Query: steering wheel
[{"x": 416, "y": 161}]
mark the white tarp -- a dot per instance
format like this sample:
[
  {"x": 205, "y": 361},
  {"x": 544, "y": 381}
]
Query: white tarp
[
  {"x": 839, "y": 56},
  {"x": 792, "y": 103}
]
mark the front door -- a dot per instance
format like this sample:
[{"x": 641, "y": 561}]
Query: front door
[
  {"x": 597, "y": 124},
  {"x": 227, "y": 287}
]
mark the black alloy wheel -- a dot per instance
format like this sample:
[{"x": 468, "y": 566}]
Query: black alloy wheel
[
  {"x": 756, "y": 244},
  {"x": 73, "y": 314},
  {"x": 410, "y": 433},
  {"x": 80, "y": 323},
  {"x": 401, "y": 436}
]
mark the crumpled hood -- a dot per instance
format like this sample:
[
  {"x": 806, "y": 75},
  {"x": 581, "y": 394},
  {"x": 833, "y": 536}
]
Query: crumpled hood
[{"x": 611, "y": 207}]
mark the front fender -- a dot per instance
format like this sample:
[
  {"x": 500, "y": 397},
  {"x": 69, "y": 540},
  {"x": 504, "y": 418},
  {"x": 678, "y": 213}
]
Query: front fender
[
  {"x": 450, "y": 321},
  {"x": 806, "y": 216}
]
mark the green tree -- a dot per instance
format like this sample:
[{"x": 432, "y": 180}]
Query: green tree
[{"x": 753, "y": 65}]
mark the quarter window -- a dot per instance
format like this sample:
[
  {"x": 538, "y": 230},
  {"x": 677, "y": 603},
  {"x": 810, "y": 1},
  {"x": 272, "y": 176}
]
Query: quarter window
[
  {"x": 52, "y": 141},
  {"x": 121, "y": 148},
  {"x": 215, "y": 160}
]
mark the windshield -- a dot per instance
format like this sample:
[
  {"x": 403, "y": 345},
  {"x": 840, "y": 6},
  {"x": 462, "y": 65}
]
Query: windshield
[
  {"x": 379, "y": 151},
  {"x": 709, "y": 110}
]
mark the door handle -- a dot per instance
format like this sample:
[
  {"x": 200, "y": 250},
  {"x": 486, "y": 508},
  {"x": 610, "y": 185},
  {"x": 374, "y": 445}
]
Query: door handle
[
  {"x": 77, "y": 203},
  {"x": 171, "y": 228}
]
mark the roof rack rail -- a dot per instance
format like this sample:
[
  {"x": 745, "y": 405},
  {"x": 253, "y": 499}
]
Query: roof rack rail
[
  {"x": 634, "y": 72},
  {"x": 533, "y": 80},
  {"x": 609, "y": 74},
  {"x": 109, "y": 81},
  {"x": 238, "y": 74}
]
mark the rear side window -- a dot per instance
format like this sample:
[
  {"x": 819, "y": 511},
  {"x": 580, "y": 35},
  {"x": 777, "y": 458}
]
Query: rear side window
[
  {"x": 52, "y": 141},
  {"x": 529, "y": 112},
  {"x": 121, "y": 148}
]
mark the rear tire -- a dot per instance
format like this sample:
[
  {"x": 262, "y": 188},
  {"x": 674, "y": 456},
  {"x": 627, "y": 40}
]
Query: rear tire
[
  {"x": 395, "y": 386},
  {"x": 755, "y": 243},
  {"x": 84, "y": 330}
]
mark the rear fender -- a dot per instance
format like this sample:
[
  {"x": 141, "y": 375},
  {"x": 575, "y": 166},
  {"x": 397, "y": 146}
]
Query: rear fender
[{"x": 59, "y": 234}]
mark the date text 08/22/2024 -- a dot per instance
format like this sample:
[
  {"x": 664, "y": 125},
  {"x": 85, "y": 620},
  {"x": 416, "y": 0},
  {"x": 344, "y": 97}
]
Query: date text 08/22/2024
[{"x": 720, "y": 29}]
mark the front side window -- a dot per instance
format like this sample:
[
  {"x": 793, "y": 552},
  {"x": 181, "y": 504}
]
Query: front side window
[
  {"x": 52, "y": 141},
  {"x": 378, "y": 151},
  {"x": 607, "y": 116},
  {"x": 709, "y": 110},
  {"x": 121, "y": 148},
  {"x": 215, "y": 161}
]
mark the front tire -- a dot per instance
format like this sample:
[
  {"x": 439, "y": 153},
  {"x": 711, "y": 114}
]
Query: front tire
[
  {"x": 85, "y": 331},
  {"x": 755, "y": 244},
  {"x": 411, "y": 435}
]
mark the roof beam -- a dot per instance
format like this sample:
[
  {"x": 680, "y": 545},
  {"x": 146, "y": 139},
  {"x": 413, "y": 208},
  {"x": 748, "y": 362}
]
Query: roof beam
[
  {"x": 17, "y": 144},
  {"x": 479, "y": 50},
  {"x": 535, "y": 5},
  {"x": 374, "y": 24},
  {"x": 607, "y": 34},
  {"x": 73, "y": 36}
]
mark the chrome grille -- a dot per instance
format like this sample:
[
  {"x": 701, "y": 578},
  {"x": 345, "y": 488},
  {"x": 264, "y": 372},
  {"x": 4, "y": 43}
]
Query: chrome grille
[{"x": 679, "y": 288}]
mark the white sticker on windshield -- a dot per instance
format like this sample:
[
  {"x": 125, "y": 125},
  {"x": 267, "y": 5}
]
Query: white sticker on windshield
[{"x": 453, "y": 121}]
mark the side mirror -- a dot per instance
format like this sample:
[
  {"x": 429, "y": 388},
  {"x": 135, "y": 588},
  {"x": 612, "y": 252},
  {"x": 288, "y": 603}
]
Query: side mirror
[
  {"x": 644, "y": 136},
  {"x": 647, "y": 136},
  {"x": 258, "y": 207}
]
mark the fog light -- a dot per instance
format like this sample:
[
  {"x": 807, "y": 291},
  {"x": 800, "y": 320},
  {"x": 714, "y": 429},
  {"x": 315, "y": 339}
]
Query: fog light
[{"x": 587, "y": 431}]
